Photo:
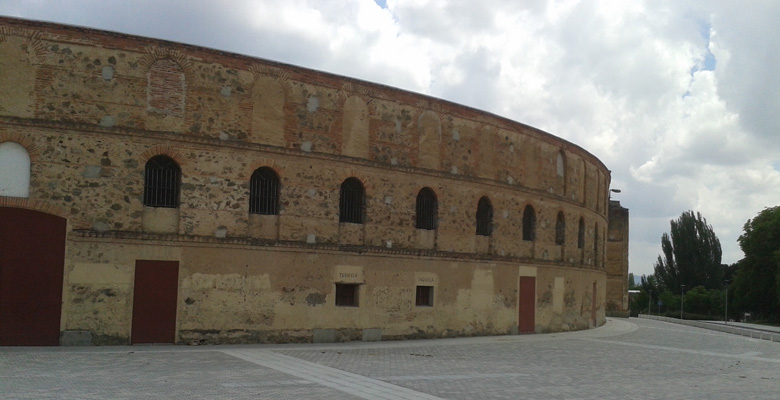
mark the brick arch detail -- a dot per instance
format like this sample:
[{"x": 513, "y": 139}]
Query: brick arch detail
[
  {"x": 283, "y": 77},
  {"x": 35, "y": 47},
  {"x": 33, "y": 204},
  {"x": 367, "y": 95},
  {"x": 264, "y": 162},
  {"x": 353, "y": 173},
  {"x": 155, "y": 53},
  {"x": 165, "y": 151},
  {"x": 485, "y": 194},
  {"x": 24, "y": 141}
]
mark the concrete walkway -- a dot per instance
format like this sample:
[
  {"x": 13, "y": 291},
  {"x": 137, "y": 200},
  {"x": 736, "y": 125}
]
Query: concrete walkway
[
  {"x": 763, "y": 332},
  {"x": 626, "y": 358}
]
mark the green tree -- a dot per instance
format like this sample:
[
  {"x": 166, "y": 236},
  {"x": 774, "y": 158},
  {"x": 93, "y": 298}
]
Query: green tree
[
  {"x": 648, "y": 295},
  {"x": 757, "y": 280},
  {"x": 631, "y": 281},
  {"x": 691, "y": 255}
]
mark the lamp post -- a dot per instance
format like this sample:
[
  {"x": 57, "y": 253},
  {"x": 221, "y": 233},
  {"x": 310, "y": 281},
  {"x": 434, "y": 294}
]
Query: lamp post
[
  {"x": 682, "y": 300},
  {"x": 726, "y": 314},
  {"x": 649, "y": 302}
]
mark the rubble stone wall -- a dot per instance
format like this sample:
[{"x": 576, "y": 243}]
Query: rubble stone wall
[{"x": 92, "y": 107}]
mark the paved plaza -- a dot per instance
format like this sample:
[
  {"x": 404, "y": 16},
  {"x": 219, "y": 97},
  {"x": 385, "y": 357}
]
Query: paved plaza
[{"x": 625, "y": 359}]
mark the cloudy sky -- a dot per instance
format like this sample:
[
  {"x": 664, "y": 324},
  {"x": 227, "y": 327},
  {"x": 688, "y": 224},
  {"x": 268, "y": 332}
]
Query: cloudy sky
[{"x": 680, "y": 99}]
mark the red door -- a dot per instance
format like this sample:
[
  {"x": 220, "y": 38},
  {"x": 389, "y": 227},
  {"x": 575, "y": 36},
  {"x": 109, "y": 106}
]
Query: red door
[
  {"x": 154, "y": 301},
  {"x": 32, "y": 257},
  {"x": 527, "y": 308}
]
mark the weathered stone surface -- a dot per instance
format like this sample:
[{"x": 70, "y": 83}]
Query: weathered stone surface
[{"x": 92, "y": 108}]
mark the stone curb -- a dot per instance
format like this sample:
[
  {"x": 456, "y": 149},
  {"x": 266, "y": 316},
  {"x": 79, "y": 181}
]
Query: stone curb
[{"x": 734, "y": 330}]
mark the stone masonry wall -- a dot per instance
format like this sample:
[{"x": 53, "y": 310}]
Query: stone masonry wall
[{"x": 93, "y": 107}]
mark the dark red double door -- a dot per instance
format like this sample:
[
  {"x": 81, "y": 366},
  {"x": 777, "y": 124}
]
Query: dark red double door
[
  {"x": 154, "y": 301},
  {"x": 32, "y": 258},
  {"x": 527, "y": 306}
]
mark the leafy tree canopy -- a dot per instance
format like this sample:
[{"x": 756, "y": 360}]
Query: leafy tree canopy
[
  {"x": 691, "y": 255},
  {"x": 757, "y": 280}
]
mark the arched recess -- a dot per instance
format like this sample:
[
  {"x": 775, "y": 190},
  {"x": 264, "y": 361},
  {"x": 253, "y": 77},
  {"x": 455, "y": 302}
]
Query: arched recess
[
  {"x": 166, "y": 90},
  {"x": 429, "y": 131},
  {"x": 582, "y": 176},
  {"x": 14, "y": 170},
  {"x": 596, "y": 246},
  {"x": 561, "y": 173},
  {"x": 268, "y": 111},
  {"x": 17, "y": 79},
  {"x": 487, "y": 164},
  {"x": 354, "y": 136},
  {"x": 32, "y": 258}
]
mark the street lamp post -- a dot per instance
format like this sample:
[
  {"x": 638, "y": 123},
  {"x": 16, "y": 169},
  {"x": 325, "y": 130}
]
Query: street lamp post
[
  {"x": 682, "y": 300},
  {"x": 726, "y": 314},
  {"x": 649, "y": 302}
]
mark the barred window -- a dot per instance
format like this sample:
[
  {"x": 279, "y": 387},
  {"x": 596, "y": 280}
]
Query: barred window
[
  {"x": 560, "y": 229},
  {"x": 352, "y": 201},
  {"x": 161, "y": 182},
  {"x": 484, "y": 217},
  {"x": 347, "y": 295},
  {"x": 529, "y": 224},
  {"x": 264, "y": 192},
  {"x": 581, "y": 234},
  {"x": 427, "y": 209},
  {"x": 424, "y": 296}
]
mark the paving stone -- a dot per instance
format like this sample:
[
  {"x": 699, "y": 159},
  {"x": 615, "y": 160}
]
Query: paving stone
[{"x": 634, "y": 358}]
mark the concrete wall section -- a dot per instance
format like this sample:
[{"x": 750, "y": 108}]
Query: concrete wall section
[{"x": 241, "y": 294}]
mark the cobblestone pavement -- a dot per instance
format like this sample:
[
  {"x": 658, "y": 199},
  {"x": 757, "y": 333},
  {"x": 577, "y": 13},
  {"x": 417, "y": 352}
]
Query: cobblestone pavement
[{"x": 635, "y": 358}]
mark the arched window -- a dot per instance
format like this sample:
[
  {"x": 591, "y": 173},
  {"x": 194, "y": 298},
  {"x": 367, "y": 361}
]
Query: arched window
[
  {"x": 484, "y": 217},
  {"x": 529, "y": 223},
  {"x": 264, "y": 192},
  {"x": 352, "y": 201},
  {"x": 427, "y": 209},
  {"x": 161, "y": 182},
  {"x": 14, "y": 170},
  {"x": 560, "y": 229},
  {"x": 581, "y": 234}
]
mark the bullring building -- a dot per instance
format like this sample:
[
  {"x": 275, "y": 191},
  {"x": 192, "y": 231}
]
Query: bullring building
[{"x": 156, "y": 192}]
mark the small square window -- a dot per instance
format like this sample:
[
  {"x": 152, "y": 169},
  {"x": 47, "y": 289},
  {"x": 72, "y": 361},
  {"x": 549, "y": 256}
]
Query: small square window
[
  {"x": 424, "y": 297},
  {"x": 346, "y": 294}
]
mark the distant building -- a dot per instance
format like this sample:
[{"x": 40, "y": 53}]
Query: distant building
[
  {"x": 158, "y": 192},
  {"x": 617, "y": 261}
]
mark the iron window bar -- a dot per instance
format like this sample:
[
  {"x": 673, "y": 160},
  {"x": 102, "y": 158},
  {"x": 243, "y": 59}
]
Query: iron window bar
[
  {"x": 352, "y": 201},
  {"x": 426, "y": 209},
  {"x": 162, "y": 177},
  {"x": 484, "y": 217},
  {"x": 264, "y": 192}
]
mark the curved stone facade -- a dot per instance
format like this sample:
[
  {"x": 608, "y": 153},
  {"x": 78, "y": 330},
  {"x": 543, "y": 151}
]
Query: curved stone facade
[{"x": 92, "y": 109}]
